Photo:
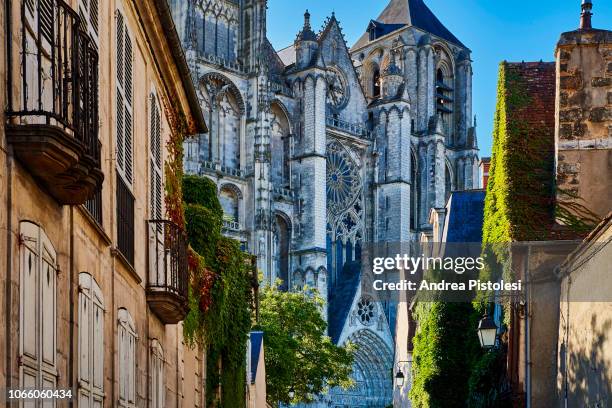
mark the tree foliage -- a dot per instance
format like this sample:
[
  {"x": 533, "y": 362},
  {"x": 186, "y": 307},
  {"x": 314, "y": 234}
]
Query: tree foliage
[
  {"x": 298, "y": 354},
  {"x": 445, "y": 340}
]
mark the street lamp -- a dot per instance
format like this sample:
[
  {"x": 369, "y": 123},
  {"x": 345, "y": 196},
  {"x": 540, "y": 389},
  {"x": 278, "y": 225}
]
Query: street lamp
[
  {"x": 399, "y": 379},
  {"x": 487, "y": 332},
  {"x": 291, "y": 393}
]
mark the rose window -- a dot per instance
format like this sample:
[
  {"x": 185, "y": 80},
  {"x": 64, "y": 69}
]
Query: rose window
[
  {"x": 366, "y": 311},
  {"x": 343, "y": 181}
]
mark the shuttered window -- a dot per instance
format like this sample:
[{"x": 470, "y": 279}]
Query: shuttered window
[
  {"x": 155, "y": 159},
  {"x": 37, "y": 309},
  {"x": 89, "y": 13},
  {"x": 158, "y": 387},
  {"x": 124, "y": 101},
  {"x": 91, "y": 343},
  {"x": 126, "y": 359}
]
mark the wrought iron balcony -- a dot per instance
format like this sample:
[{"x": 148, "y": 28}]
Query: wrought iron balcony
[
  {"x": 52, "y": 115},
  {"x": 168, "y": 273}
]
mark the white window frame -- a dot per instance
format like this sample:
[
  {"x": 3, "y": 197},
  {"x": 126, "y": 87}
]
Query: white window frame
[
  {"x": 126, "y": 354},
  {"x": 37, "y": 310},
  {"x": 91, "y": 343},
  {"x": 158, "y": 385},
  {"x": 124, "y": 131}
]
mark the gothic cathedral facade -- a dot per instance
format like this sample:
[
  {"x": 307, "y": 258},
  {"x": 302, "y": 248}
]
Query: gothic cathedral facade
[{"x": 320, "y": 148}]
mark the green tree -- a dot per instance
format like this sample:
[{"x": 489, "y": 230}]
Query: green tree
[{"x": 298, "y": 354}]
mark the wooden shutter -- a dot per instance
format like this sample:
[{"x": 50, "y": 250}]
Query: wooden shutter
[
  {"x": 91, "y": 343},
  {"x": 124, "y": 82},
  {"x": 157, "y": 375},
  {"x": 89, "y": 13},
  {"x": 155, "y": 156},
  {"x": 127, "y": 359},
  {"x": 37, "y": 312}
]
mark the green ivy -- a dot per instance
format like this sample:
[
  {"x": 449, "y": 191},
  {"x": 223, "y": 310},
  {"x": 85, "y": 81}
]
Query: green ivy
[
  {"x": 220, "y": 295},
  {"x": 444, "y": 348},
  {"x": 201, "y": 191},
  {"x": 486, "y": 381}
]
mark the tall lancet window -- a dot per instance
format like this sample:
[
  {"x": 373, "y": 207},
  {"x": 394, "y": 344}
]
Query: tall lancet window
[
  {"x": 376, "y": 83},
  {"x": 282, "y": 239},
  {"x": 223, "y": 108},
  {"x": 444, "y": 90},
  {"x": 280, "y": 146}
]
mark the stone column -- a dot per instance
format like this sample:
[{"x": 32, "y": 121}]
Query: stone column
[{"x": 311, "y": 167}]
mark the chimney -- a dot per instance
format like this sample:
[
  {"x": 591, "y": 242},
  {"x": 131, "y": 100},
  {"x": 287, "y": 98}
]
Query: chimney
[{"x": 585, "y": 16}]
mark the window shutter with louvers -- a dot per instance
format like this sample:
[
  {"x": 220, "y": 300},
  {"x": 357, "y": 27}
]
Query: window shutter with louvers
[{"x": 124, "y": 82}]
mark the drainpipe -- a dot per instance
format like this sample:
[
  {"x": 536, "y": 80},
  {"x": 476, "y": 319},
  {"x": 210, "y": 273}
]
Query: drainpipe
[
  {"x": 71, "y": 273},
  {"x": 527, "y": 331},
  {"x": 9, "y": 265},
  {"x": 9, "y": 197}
]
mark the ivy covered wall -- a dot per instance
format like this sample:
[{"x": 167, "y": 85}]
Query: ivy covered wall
[{"x": 220, "y": 295}]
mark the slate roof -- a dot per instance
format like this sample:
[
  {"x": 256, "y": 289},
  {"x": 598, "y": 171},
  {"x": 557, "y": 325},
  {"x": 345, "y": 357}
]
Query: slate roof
[
  {"x": 464, "y": 217},
  {"x": 341, "y": 300},
  {"x": 256, "y": 340},
  {"x": 287, "y": 55},
  {"x": 414, "y": 13}
]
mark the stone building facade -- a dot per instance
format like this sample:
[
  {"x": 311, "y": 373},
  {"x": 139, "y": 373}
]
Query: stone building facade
[
  {"x": 584, "y": 117},
  {"x": 319, "y": 149},
  {"x": 93, "y": 275},
  {"x": 557, "y": 335}
]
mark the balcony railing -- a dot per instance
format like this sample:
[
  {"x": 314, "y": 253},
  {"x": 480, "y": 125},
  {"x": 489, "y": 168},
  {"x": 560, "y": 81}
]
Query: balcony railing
[
  {"x": 283, "y": 193},
  {"x": 230, "y": 225},
  {"x": 208, "y": 166},
  {"x": 222, "y": 62},
  {"x": 168, "y": 271},
  {"x": 52, "y": 115},
  {"x": 351, "y": 128}
]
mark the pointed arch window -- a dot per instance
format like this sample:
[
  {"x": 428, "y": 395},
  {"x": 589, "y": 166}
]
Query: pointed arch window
[
  {"x": 37, "y": 309},
  {"x": 376, "y": 83},
  {"x": 91, "y": 343}
]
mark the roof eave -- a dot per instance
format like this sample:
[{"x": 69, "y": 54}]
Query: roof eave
[{"x": 174, "y": 42}]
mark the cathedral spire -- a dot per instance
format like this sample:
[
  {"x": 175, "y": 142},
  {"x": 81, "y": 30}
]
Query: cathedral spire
[
  {"x": 306, "y": 34},
  {"x": 585, "y": 16},
  {"x": 306, "y": 20}
]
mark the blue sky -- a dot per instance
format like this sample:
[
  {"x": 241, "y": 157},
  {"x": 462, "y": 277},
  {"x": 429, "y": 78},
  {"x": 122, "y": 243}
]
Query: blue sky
[{"x": 495, "y": 30}]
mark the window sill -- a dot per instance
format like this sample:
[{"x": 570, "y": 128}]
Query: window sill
[
  {"x": 116, "y": 253},
  {"x": 95, "y": 225}
]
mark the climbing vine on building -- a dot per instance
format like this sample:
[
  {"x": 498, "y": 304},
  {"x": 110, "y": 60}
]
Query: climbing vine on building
[
  {"x": 220, "y": 294},
  {"x": 444, "y": 348}
]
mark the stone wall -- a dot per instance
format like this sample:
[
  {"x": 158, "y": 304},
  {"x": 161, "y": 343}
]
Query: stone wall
[{"x": 584, "y": 118}]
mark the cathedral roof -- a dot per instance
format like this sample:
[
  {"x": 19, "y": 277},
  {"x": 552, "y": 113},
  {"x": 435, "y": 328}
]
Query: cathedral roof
[
  {"x": 413, "y": 13},
  {"x": 287, "y": 55},
  {"x": 342, "y": 298},
  {"x": 256, "y": 339},
  {"x": 465, "y": 217}
]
